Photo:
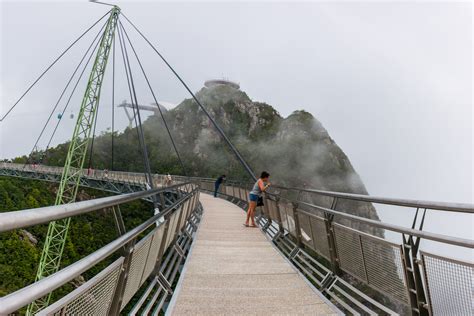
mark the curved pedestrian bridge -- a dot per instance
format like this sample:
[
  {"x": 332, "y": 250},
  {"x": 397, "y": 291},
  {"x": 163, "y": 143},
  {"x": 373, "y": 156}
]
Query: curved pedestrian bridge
[
  {"x": 195, "y": 257},
  {"x": 232, "y": 269}
]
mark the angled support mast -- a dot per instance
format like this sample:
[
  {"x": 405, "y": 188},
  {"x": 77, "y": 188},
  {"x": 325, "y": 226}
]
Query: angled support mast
[{"x": 68, "y": 187}]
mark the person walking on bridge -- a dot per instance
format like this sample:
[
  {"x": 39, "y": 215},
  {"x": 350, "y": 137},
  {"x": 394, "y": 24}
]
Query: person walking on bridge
[
  {"x": 259, "y": 187},
  {"x": 218, "y": 183}
]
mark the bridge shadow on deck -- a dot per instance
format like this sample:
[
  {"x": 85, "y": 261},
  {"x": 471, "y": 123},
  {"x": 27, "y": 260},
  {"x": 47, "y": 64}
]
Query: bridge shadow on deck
[{"x": 233, "y": 269}]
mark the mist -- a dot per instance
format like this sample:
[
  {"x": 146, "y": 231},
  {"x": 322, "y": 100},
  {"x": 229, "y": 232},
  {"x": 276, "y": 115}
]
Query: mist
[{"x": 391, "y": 82}]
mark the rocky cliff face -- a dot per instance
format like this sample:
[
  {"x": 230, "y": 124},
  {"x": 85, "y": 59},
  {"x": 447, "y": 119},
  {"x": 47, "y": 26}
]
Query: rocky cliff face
[{"x": 296, "y": 150}]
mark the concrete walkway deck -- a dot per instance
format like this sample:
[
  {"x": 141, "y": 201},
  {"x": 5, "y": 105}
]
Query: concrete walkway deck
[{"x": 235, "y": 270}]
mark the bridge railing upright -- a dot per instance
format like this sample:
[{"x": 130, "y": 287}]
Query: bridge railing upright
[{"x": 154, "y": 258}]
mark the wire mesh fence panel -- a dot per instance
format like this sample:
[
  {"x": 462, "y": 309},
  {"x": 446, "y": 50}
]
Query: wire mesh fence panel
[
  {"x": 349, "y": 251},
  {"x": 288, "y": 218},
  {"x": 206, "y": 186},
  {"x": 92, "y": 298},
  {"x": 171, "y": 228},
  {"x": 243, "y": 194},
  {"x": 320, "y": 238},
  {"x": 237, "y": 192},
  {"x": 153, "y": 253},
  {"x": 184, "y": 215},
  {"x": 305, "y": 229},
  {"x": 450, "y": 285},
  {"x": 384, "y": 266},
  {"x": 229, "y": 190},
  {"x": 137, "y": 264},
  {"x": 272, "y": 209},
  {"x": 283, "y": 206}
]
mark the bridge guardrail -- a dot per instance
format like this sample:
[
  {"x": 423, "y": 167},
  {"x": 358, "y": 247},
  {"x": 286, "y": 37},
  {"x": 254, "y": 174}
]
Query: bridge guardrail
[
  {"x": 341, "y": 260},
  {"x": 109, "y": 291},
  {"x": 40, "y": 215}
]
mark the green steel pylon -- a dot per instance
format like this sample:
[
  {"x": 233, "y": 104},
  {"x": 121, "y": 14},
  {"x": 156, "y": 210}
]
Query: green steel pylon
[{"x": 68, "y": 187}]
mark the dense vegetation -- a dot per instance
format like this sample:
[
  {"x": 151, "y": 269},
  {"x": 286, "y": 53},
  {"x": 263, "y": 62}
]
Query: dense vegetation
[{"x": 20, "y": 250}]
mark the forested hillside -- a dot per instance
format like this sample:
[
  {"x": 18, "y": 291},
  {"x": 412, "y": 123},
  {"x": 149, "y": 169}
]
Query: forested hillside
[
  {"x": 296, "y": 150},
  {"x": 20, "y": 250}
]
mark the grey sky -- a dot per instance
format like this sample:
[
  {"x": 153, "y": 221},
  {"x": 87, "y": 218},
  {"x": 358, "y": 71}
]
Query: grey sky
[{"x": 392, "y": 82}]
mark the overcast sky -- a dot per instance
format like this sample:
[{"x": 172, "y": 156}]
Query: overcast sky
[{"x": 391, "y": 82}]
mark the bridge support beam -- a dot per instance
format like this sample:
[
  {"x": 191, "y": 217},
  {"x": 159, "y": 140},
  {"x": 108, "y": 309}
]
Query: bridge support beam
[{"x": 72, "y": 173}]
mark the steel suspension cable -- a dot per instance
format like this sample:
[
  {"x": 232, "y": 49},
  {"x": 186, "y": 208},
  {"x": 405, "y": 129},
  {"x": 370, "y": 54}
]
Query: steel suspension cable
[
  {"x": 154, "y": 98},
  {"x": 113, "y": 103},
  {"x": 51, "y": 65},
  {"x": 62, "y": 94},
  {"x": 129, "y": 88},
  {"x": 72, "y": 93},
  {"x": 140, "y": 126},
  {"x": 221, "y": 132}
]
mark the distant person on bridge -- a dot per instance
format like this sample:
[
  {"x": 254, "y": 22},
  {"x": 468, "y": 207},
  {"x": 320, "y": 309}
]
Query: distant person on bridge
[
  {"x": 168, "y": 180},
  {"x": 218, "y": 183},
  {"x": 259, "y": 187}
]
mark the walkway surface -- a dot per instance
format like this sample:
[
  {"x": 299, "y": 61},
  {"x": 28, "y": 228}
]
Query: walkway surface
[{"x": 236, "y": 270}]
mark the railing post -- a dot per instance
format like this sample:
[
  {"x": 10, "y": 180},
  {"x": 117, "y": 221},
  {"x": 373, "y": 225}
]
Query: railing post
[
  {"x": 233, "y": 192},
  {"x": 277, "y": 206},
  {"x": 161, "y": 251},
  {"x": 328, "y": 221},
  {"x": 122, "y": 280},
  {"x": 416, "y": 292},
  {"x": 266, "y": 211},
  {"x": 297, "y": 225}
]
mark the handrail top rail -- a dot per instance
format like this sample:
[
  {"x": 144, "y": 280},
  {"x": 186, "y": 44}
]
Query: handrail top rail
[
  {"x": 14, "y": 301},
  {"x": 456, "y": 241},
  {"x": 432, "y": 205},
  {"x": 29, "y": 217}
]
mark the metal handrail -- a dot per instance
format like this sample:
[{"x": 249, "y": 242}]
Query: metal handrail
[
  {"x": 396, "y": 228},
  {"x": 324, "y": 235},
  {"x": 455, "y": 207},
  {"x": 25, "y": 218},
  {"x": 16, "y": 300},
  {"x": 432, "y": 205},
  {"x": 392, "y": 227}
]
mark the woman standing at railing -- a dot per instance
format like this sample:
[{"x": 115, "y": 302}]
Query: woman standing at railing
[{"x": 258, "y": 188}]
